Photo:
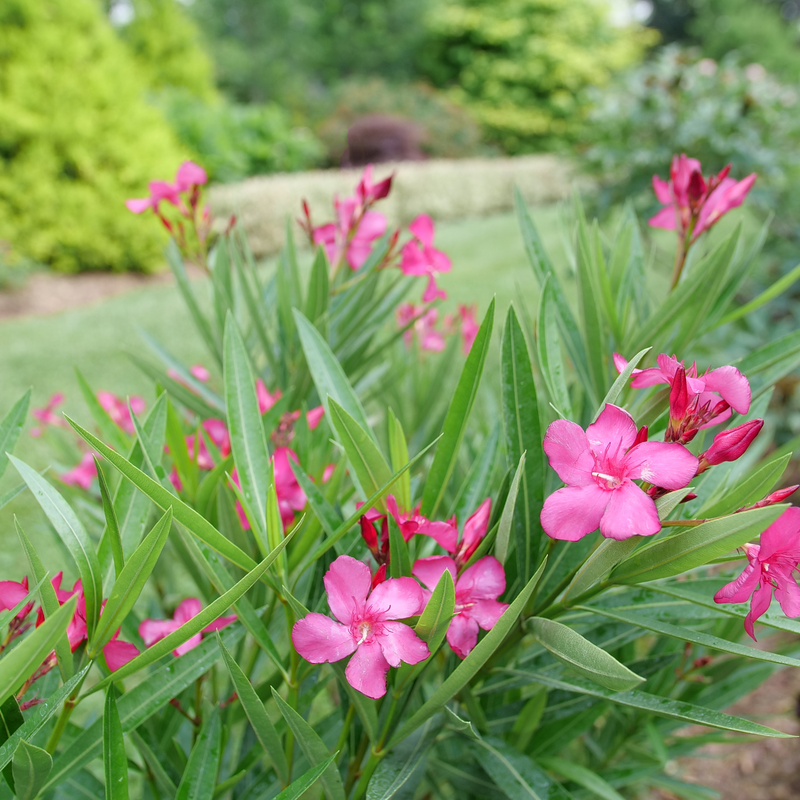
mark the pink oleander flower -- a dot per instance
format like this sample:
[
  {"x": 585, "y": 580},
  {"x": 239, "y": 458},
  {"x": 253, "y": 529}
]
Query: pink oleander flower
[
  {"x": 265, "y": 399},
  {"x": 352, "y": 235},
  {"x": 692, "y": 204},
  {"x": 367, "y": 627},
  {"x": 47, "y": 415},
  {"x": 730, "y": 445},
  {"x": 118, "y": 410},
  {"x": 477, "y": 590},
  {"x": 12, "y": 593},
  {"x": 770, "y": 567},
  {"x": 420, "y": 257},
  {"x": 424, "y": 328},
  {"x": 83, "y": 474},
  {"x": 154, "y": 630},
  {"x": 696, "y": 401},
  {"x": 469, "y": 325},
  {"x": 368, "y": 192},
  {"x": 160, "y": 192},
  {"x": 200, "y": 373},
  {"x": 190, "y": 175},
  {"x": 599, "y": 467},
  {"x": 291, "y": 497}
]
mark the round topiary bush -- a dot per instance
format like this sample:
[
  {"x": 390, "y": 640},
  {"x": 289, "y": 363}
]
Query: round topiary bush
[{"x": 76, "y": 139}]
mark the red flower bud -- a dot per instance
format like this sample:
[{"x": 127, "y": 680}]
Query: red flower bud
[
  {"x": 641, "y": 436},
  {"x": 379, "y": 576},
  {"x": 731, "y": 444},
  {"x": 678, "y": 395},
  {"x": 776, "y": 497}
]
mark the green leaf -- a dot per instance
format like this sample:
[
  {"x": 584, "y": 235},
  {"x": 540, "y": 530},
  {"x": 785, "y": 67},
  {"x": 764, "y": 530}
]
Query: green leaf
[
  {"x": 71, "y": 531},
  {"x": 469, "y": 667},
  {"x": 11, "y": 428},
  {"x": 754, "y": 488},
  {"x": 38, "y": 716},
  {"x": 200, "y": 776},
  {"x": 11, "y": 720},
  {"x": 694, "y": 547},
  {"x": 653, "y": 704},
  {"x": 141, "y": 702},
  {"x": 196, "y": 624},
  {"x": 590, "y": 781},
  {"x": 591, "y": 661},
  {"x": 514, "y": 773},
  {"x": 622, "y": 380},
  {"x": 369, "y": 466},
  {"x": 247, "y": 433},
  {"x": 769, "y": 363},
  {"x": 20, "y": 663},
  {"x": 112, "y": 524},
  {"x": 455, "y": 423},
  {"x": 399, "y": 774},
  {"x": 31, "y": 765},
  {"x": 399, "y": 559},
  {"x": 551, "y": 362},
  {"x": 48, "y": 600},
  {"x": 600, "y": 562},
  {"x": 256, "y": 713},
  {"x": 476, "y": 484},
  {"x": 186, "y": 515},
  {"x": 435, "y": 619},
  {"x": 108, "y": 430},
  {"x": 688, "y": 635},
  {"x": 328, "y": 375},
  {"x": 115, "y": 762},
  {"x": 130, "y": 583},
  {"x": 300, "y": 786},
  {"x": 6, "y": 498},
  {"x": 775, "y": 290},
  {"x": 523, "y": 435},
  {"x": 504, "y": 529},
  {"x": 313, "y": 748},
  {"x": 398, "y": 453},
  {"x": 318, "y": 291}
]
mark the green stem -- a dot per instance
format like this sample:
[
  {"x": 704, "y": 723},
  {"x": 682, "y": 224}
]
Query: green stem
[
  {"x": 348, "y": 720},
  {"x": 366, "y": 774}
]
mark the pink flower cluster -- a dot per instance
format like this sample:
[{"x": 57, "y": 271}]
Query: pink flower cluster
[
  {"x": 424, "y": 329},
  {"x": 154, "y": 630},
  {"x": 368, "y": 626},
  {"x": 694, "y": 204}
]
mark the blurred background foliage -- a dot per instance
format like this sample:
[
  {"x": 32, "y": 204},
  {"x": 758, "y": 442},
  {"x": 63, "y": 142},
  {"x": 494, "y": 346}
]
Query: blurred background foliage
[{"x": 248, "y": 87}]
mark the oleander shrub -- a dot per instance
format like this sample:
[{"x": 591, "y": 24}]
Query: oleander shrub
[{"x": 76, "y": 139}]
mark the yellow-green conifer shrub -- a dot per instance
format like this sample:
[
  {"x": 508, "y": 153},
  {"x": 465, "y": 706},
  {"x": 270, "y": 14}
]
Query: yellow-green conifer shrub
[
  {"x": 76, "y": 139},
  {"x": 523, "y": 66},
  {"x": 166, "y": 43}
]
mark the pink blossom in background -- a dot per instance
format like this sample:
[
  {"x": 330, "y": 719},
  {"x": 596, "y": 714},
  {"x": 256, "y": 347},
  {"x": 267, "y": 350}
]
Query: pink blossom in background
[
  {"x": 430, "y": 339},
  {"x": 599, "y": 467},
  {"x": 368, "y": 192},
  {"x": 265, "y": 399},
  {"x": 154, "y": 630},
  {"x": 367, "y": 627},
  {"x": 12, "y": 593},
  {"x": 118, "y": 410},
  {"x": 76, "y": 630},
  {"x": 83, "y": 474},
  {"x": 469, "y": 325},
  {"x": 314, "y": 417},
  {"x": 770, "y": 568},
  {"x": 420, "y": 257},
  {"x": 352, "y": 235},
  {"x": 692, "y": 204},
  {"x": 47, "y": 415},
  {"x": 190, "y": 175},
  {"x": 118, "y": 653},
  {"x": 160, "y": 192},
  {"x": 199, "y": 372},
  {"x": 477, "y": 590}
]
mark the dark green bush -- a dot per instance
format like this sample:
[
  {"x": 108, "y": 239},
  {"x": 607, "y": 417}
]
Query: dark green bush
[
  {"x": 76, "y": 139},
  {"x": 235, "y": 141},
  {"x": 449, "y": 130}
]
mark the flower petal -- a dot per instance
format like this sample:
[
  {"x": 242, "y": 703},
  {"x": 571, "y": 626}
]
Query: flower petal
[
  {"x": 476, "y": 526},
  {"x": 347, "y": 583},
  {"x": 574, "y": 511},
  {"x": 366, "y": 671},
  {"x": 787, "y": 592},
  {"x": 614, "y": 426},
  {"x": 665, "y": 219},
  {"x": 188, "y": 645},
  {"x": 397, "y": 598},
  {"x": 731, "y": 386},
  {"x": 484, "y": 580},
  {"x": 666, "y": 464},
  {"x": 219, "y": 623},
  {"x": 782, "y": 537},
  {"x": 117, "y": 654},
  {"x": 630, "y": 512},
  {"x": 443, "y": 533},
  {"x": 662, "y": 190},
  {"x": 189, "y": 608},
  {"x": 429, "y": 570},
  {"x": 399, "y": 643},
  {"x": 12, "y": 593},
  {"x": 422, "y": 228},
  {"x": 462, "y": 635},
  {"x": 568, "y": 452},
  {"x": 153, "y": 630},
  {"x": 487, "y": 612},
  {"x": 319, "y": 639},
  {"x": 739, "y": 590},
  {"x": 759, "y": 605}
]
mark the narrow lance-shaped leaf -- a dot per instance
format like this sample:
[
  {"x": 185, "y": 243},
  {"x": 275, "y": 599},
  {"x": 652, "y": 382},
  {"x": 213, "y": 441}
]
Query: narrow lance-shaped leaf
[
  {"x": 31, "y": 766},
  {"x": 506, "y": 518},
  {"x": 523, "y": 435},
  {"x": 300, "y": 786},
  {"x": 112, "y": 524},
  {"x": 551, "y": 362},
  {"x": 476, "y": 484},
  {"x": 582, "y": 776},
  {"x": 11, "y": 720},
  {"x": 622, "y": 381},
  {"x": 455, "y": 423},
  {"x": 469, "y": 667},
  {"x": 399, "y": 559},
  {"x": 257, "y": 715},
  {"x": 247, "y": 433},
  {"x": 71, "y": 531},
  {"x": 398, "y": 452},
  {"x": 130, "y": 583},
  {"x": 115, "y": 762},
  {"x": 200, "y": 776},
  {"x": 21, "y": 662},
  {"x": 313, "y": 748},
  {"x": 591, "y": 661},
  {"x": 11, "y": 428},
  {"x": 48, "y": 599}
]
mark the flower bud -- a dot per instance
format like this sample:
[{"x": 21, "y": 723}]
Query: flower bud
[
  {"x": 641, "y": 436},
  {"x": 771, "y": 499},
  {"x": 730, "y": 445}
]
